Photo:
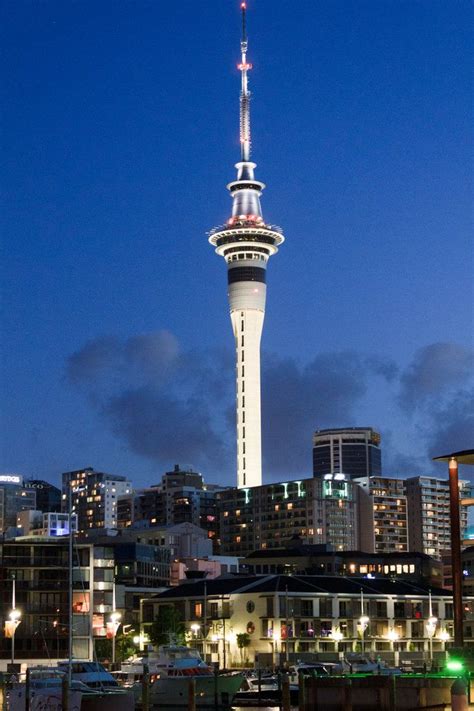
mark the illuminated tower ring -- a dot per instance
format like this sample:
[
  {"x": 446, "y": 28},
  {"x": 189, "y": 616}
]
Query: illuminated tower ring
[{"x": 246, "y": 242}]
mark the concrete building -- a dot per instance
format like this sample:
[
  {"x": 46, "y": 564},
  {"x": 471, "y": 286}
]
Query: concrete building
[
  {"x": 40, "y": 567},
  {"x": 315, "y": 510},
  {"x": 247, "y": 242},
  {"x": 93, "y": 496},
  {"x": 353, "y": 451},
  {"x": 288, "y": 617},
  {"x": 383, "y": 517},
  {"x": 48, "y": 524},
  {"x": 297, "y": 558},
  {"x": 428, "y": 514},
  {"x": 181, "y": 497},
  {"x": 14, "y": 497}
]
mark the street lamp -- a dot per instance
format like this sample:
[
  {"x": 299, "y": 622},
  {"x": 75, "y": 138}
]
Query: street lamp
[
  {"x": 337, "y": 636},
  {"x": 431, "y": 628},
  {"x": 114, "y": 624},
  {"x": 363, "y": 622},
  {"x": 10, "y": 628},
  {"x": 195, "y": 627}
]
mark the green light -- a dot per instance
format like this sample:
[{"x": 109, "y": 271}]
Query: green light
[{"x": 454, "y": 665}]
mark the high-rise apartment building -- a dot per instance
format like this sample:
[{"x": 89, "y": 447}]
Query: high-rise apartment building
[
  {"x": 14, "y": 497},
  {"x": 383, "y": 517},
  {"x": 182, "y": 497},
  {"x": 93, "y": 497},
  {"x": 428, "y": 514},
  {"x": 247, "y": 242},
  {"x": 315, "y": 510},
  {"x": 353, "y": 451}
]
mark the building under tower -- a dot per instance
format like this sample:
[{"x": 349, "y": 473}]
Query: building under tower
[{"x": 247, "y": 242}]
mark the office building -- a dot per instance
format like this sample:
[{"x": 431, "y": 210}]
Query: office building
[
  {"x": 383, "y": 518},
  {"x": 14, "y": 497},
  {"x": 247, "y": 242},
  {"x": 93, "y": 497},
  {"x": 428, "y": 514},
  {"x": 48, "y": 496},
  {"x": 353, "y": 451}
]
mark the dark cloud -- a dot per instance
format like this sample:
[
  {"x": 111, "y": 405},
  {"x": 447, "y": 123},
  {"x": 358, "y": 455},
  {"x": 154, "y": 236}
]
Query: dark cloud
[
  {"x": 93, "y": 359},
  {"x": 163, "y": 403},
  {"x": 435, "y": 369},
  {"x": 150, "y": 357},
  {"x": 170, "y": 404},
  {"x": 452, "y": 427},
  {"x": 167, "y": 429}
]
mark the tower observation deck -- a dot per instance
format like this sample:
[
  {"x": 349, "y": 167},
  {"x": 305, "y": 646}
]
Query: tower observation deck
[{"x": 247, "y": 242}]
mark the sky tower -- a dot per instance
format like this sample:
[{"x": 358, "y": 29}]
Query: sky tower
[{"x": 246, "y": 242}]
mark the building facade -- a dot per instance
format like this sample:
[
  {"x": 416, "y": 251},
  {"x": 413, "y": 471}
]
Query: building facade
[
  {"x": 48, "y": 496},
  {"x": 315, "y": 510},
  {"x": 302, "y": 559},
  {"x": 247, "y": 242},
  {"x": 383, "y": 514},
  {"x": 287, "y": 617},
  {"x": 428, "y": 514},
  {"x": 40, "y": 567},
  {"x": 181, "y": 497},
  {"x": 14, "y": 497},
  {"x": 93, "y": 497},
  {"x": 353, "y": 451}
]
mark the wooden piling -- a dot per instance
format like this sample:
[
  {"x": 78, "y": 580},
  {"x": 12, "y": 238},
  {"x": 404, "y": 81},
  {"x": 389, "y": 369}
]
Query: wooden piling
[
  {"x": 192, "y": 695},
  {"x": 301, "y": 692},
  {"x": 285, "y": 693},
  {"x": 64, "y": 693},
  {"x": 27, "y": 691},
  {"x": 347, "y": 696},
  {"x": 145, "y": 692}
]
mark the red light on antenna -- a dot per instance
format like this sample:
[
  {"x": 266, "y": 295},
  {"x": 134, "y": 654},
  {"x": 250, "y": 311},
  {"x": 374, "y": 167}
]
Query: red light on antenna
[{"x": 243, "y": 5}]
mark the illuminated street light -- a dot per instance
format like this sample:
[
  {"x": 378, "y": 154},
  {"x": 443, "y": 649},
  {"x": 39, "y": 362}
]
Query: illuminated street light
[
  {"x": 112, "y": 627},
  {"x": 337, "y": 636},
  {"x": 195, "y": 628},
  {"x": 431, "y": 629},
  {"x": 363, "y": 622},
  {"x": 14, "y": 619}
]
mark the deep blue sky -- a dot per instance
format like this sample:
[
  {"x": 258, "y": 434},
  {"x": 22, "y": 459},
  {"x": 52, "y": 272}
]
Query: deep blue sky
[{"x": 120, "y": 133}]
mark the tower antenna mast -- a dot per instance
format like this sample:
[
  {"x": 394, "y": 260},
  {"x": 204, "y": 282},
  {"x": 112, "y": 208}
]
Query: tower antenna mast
[{"x": 244, "y": 67}]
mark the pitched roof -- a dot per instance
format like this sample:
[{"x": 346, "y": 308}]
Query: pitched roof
[{"x": 306, "y": 584}]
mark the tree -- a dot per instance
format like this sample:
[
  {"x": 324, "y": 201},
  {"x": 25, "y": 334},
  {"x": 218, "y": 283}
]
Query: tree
[
  {"x": 124, "y": 648},
  {"x": 167, "y": 627},
  {"x": 243, "y": 641}
]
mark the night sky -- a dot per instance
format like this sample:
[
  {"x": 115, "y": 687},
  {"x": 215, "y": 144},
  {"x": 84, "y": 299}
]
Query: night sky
[{"x": 119, "y": 135}]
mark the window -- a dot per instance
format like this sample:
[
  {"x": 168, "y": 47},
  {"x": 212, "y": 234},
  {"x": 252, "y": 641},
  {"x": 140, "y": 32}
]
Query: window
[{"x": 250, "y": 606}]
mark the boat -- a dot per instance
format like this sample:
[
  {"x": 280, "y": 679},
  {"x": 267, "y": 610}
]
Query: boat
[
  {"x": 263, "y": 690},
  {"x": 170, "y": 670},
  {"x": 45, "y": 691}
]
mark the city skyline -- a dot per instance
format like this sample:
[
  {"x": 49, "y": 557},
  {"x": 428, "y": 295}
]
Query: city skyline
[{"x": 116, "y": 172}]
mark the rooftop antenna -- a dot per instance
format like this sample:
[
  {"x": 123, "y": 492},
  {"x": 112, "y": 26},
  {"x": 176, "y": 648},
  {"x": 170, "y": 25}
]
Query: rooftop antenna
[{"x": 244, "y": 67}]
